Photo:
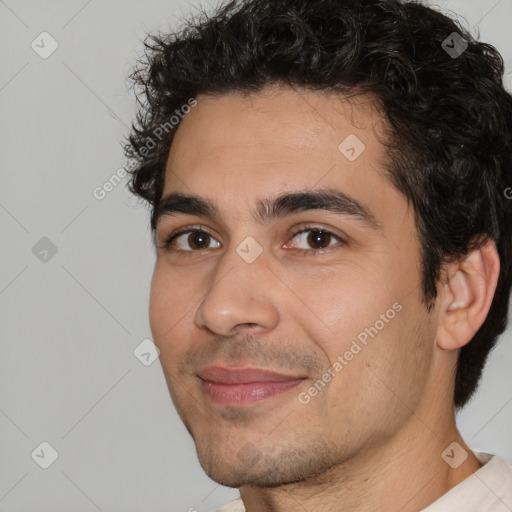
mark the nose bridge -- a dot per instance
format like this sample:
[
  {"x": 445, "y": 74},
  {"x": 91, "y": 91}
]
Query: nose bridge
[{"x": 240, "y": 291}]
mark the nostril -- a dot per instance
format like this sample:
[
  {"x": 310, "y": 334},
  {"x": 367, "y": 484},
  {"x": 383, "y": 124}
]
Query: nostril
[{"x": 249, "y": 325}]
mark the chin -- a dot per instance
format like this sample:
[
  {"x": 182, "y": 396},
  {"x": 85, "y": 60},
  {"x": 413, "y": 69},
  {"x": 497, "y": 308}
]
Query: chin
[{"x": 270, "y": 466}]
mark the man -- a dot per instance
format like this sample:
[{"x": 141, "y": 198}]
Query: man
[{"x": 328, "y": 182}]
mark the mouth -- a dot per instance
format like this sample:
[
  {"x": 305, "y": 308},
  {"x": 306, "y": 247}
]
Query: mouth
[{"x": 244, "y": 386}]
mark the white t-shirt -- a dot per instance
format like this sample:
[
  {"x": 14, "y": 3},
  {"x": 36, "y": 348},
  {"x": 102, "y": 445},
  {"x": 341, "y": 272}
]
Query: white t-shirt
[{"x": 487, "y": 490}]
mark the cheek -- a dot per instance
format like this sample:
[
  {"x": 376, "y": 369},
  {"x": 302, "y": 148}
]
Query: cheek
[
  {"x": 362, "y": 318},
  {"x": 385, "y": 380},
  {"x": 171, "y": 300},
  {"x": 342, "y": 303}
]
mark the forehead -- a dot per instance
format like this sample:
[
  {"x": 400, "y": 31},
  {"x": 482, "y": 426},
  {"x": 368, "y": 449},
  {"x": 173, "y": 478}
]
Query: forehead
[
  {"x": 276, "y": 121},
  {"x": 239, "y": 147}
]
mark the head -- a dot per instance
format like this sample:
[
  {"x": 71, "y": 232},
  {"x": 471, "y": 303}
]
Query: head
[{"x": 273, "y": 120}]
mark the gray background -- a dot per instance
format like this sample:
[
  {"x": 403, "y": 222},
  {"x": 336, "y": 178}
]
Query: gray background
[{"x": 70, "y": 321}]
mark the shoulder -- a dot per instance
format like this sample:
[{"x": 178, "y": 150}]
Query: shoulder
[{"x": 487, "y": 490}]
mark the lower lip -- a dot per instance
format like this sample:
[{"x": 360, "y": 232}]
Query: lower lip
[{"x": 248, "y": 393}]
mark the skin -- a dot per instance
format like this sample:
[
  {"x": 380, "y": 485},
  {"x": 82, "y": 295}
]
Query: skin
[{"x": 373, "y": 438}]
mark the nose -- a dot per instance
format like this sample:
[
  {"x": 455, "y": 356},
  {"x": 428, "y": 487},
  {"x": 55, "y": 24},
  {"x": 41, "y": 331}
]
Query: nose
[{"x": 241, "y": 295}]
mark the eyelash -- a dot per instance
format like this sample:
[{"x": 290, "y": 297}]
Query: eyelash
[{"x": 305, "y": 252}]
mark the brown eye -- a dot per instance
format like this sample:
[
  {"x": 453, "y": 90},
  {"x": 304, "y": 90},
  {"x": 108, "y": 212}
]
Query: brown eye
[
  {"x": 191, "y": 240},
  {"x": 319, "y": 239},
  {"x": 198, "y": 240},
  {"x": 315, "y": 239}
]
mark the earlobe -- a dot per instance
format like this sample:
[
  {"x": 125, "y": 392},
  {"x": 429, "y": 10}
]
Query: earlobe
[{"x": 468, "y": 295}]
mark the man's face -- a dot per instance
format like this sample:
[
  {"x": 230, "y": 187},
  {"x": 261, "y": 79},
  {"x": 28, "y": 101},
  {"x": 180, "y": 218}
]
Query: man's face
[{"x": 328, "y": 296}]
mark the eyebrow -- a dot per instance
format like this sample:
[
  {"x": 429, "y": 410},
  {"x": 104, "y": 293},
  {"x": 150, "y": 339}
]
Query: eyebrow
[{"x": 331, "y": 200}]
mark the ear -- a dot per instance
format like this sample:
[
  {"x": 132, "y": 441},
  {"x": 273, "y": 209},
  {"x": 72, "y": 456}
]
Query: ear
[{"x": 467, "y": 296}]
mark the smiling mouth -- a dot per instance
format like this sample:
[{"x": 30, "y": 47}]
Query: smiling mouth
[
  {"x": 243, "y": 387},
  {"x": 243, "y": 394}
]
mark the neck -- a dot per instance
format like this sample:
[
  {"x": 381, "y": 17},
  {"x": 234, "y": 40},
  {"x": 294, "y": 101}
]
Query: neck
[{"x": 405, "y": 472}]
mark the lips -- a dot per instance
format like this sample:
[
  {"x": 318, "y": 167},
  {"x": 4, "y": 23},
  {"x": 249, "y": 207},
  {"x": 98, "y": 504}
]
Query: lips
[{"x": 244, "y": 386}]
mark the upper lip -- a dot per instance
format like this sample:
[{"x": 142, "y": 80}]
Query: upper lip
[{"x": 220, "y": 374}]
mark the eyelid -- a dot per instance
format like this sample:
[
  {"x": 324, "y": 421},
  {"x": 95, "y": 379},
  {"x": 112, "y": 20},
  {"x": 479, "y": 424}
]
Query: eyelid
[
  {"x": 181, "y": 231},
  {"x": 342, "y": 239}
]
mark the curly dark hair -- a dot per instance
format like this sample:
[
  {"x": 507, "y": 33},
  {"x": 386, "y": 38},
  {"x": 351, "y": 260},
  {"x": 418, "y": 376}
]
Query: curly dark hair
[{"x": 450, "y": 117}]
